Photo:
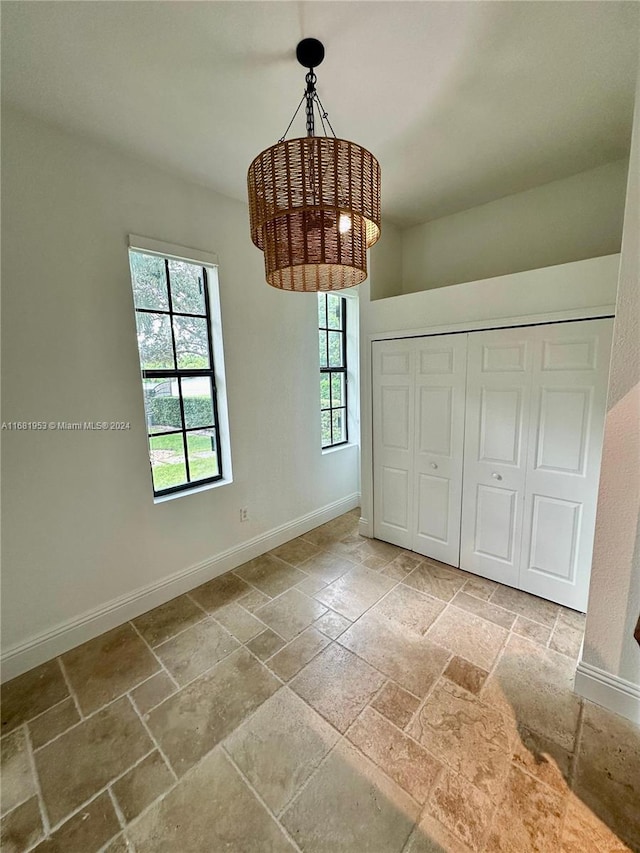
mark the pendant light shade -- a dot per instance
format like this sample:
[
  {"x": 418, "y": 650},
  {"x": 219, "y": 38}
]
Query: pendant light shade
[{"x": 314, "y": 208}]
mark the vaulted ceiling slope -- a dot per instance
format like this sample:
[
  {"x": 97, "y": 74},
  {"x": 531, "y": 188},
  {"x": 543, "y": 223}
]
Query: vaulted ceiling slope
[{"x": 462, "y": 102}]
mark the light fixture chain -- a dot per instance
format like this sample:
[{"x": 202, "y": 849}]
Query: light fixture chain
[{"x": 310, "y": 94}]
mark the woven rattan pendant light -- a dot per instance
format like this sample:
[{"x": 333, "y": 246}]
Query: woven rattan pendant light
[{"x": 314, "y": 202}]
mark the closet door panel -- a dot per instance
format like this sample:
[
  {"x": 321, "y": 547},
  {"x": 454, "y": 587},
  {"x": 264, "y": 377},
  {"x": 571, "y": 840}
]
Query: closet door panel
[
  {"x": 499, "y": 367},
  {"x": 393, "y": 440},
  {"x": 571, "y": 365},
  {"x": 440, "y": 382}
]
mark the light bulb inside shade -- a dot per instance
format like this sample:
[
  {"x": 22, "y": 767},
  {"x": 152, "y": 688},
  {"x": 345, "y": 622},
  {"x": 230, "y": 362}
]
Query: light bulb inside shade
[{"x": 344, "y": 224}]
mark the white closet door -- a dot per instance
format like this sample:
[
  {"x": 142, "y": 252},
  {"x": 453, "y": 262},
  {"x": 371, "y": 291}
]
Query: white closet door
[
  {"x": 440, "y": 387},
  {"x": 571, "y": 367},
  {"x": 393, "y": 440},
  {"x": 495, "y": 456}
]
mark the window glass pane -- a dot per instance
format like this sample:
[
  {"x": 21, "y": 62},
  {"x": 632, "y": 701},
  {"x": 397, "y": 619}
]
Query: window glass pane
[
  {"x": 162, "y": 405},
  {"x": 337, "y": 389},
  {"x": 323, "y": 349},
  {"x": 335, "y": 311},
  {"x": 326, "y": 428},
  {"x": 167, "y": 461},
  {"x": 187, "y": 287},
  {"x": 149, "y": 281},
  {"x": 198, "y": 402},
  {"x": 322, "y": 309},
  {"x": 339, "y": 424},
  {"x": 192, "y": 342},
  {"x": 324, "y": 391},
  {"x": 154, "y": 341},
  {"x": 203, "y": 459},
  {"x": 335, "y": 349}
]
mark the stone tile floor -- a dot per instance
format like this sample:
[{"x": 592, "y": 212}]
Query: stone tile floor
[{"x": 337, "y": 694}]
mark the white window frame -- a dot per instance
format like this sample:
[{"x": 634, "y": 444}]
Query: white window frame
[
  {"x": 353, "y": 371},
  {"x": 208, "y": 260}
]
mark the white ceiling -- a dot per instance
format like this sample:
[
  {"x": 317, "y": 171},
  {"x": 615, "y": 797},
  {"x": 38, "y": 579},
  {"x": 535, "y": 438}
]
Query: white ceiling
[{"x": 462, "y": 102}]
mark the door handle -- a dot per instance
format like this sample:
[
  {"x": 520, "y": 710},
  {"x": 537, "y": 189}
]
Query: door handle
[
  {"x": 496, "y": 476},
  {"x": 434, "y": 466}
]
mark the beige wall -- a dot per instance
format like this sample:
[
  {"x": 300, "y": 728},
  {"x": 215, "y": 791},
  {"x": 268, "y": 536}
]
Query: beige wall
[
  {"x": 614, "y": 601},
  {"x": 556, "y": 223},
  {"x": 81, "y": 533},
  {"x": 385, "y": 263}
]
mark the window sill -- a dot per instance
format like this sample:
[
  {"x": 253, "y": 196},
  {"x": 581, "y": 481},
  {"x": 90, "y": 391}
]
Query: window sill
[
  {"x": 348, "y": 444},
  {"x": 194, "y": 491}
]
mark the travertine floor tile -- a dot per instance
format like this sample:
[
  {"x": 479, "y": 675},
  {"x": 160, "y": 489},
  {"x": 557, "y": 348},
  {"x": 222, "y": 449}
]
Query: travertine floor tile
[
  {"x": 21, "y": 828},
  {"x": 290, "y": 613},
  {"x": 462, "y": 808},
  {"x": 406, "y": 680},
  {"x": 327, "y": 566},
  {"x": 414, "y": 662},
  {"x": 468, "y": 735},
  {"x": 466, "y": 674},
  {"x": 584, "y": 832},
  {"x": 383, "y": 551},
  {"x": 295, "y": 552},
  {"x": 265, "y": 644},
  {"x": 108, "y": 666},
  {"x": 53, "y": 722},
  {"x": 430, "y": 836},
  {"x": 290, "y": 660},
  {"x": 195, "y": 650},
  {"x": 310, "y": 585},
  {"x": 542, "y": 758},
  {"x": 528, "y": 818},
  {"x": 253, "y": 600},
  {"x": 220, "y": 591},
  {"x": 280, "y": 746},
  {"x": 469, "y": 636},
  {"x": 153, "y": 692},
  {"x": 567, "y": 640},
  {"x": 80, "y": 762},
  {"x": 485, "y": 609},
  {"x": 239, "y": 622},
  {"x": 338, "y": 685},
  {"x": 191, "y": 722},
  {"x": 355, "y": 592},
  {"x": 532, "y": 630},
  {"x": 158, "y": 625},
  {"x": 143, "y": 784},
  {"x": 85, "y": 832},
  {"x": 534, "y": 686},
  {"x": 396, "y": 704},
  {"x": 119, "y": 844},
  {"x": 17, "y": 779},
  {"x": 270, "y": 575},
  {"x": 439, "y": 581},
  {"x": 609, "y": 750},
  {"x": 572, "y": 618},
  {"x": 31, "y": 694},
  {"x": 524, "y": 604},
  {"x": 332, "y": 624},
  {"x": 211, "y": 809},
  {"x": 408, "y": 611},
  {"x": 349, "y": 805},
  {"x": 401, "y": 758},
  {"x": 480, "y": 587}
]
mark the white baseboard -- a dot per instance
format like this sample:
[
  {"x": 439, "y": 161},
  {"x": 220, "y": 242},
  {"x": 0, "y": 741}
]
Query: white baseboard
[
  {"x": 612, "y": 692},
  {"x": 49, "y": 644},
  {"x": 364, "y": 528}
]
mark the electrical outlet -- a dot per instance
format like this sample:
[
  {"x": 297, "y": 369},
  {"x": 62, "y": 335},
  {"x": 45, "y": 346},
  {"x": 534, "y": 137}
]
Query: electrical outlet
[{"x": 244, "y": 513}]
